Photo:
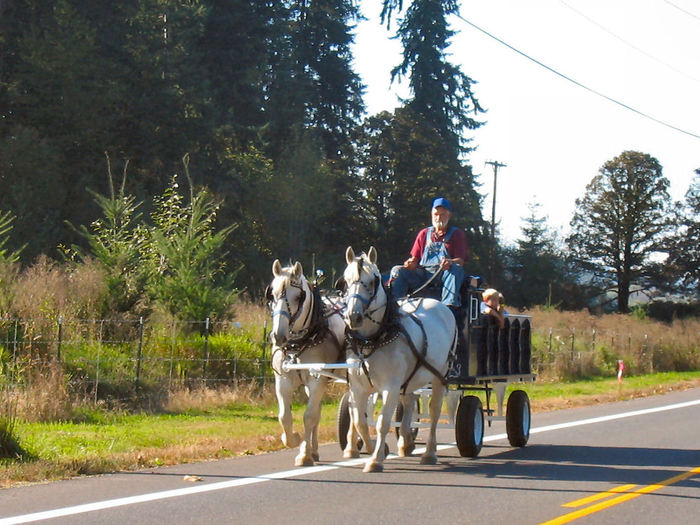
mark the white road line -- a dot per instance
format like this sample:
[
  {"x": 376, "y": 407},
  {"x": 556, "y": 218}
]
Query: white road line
[{"x": 287, "y": 474}]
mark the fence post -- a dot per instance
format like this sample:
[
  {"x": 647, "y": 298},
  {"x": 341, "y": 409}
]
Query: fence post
[
  {"x": 264, "y": 346},
  {"x": 60, "y": 337},
  {"x": 172, "y": 355},
  {"x": 140, "y": 351},
  {"x": 573, "y": 336},
  {"x": 206, "y": 351},
  {"x": 99, "y": 353},
  {"x": 14, "y": 354}
]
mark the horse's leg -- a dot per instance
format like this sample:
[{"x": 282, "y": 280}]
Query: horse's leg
[
  {"x": 406, "y": 443},
  {"x": 358, "y": 423},
  {"x": 308, "y": 451},
  {"x": 430, "y": 455},
  {"x": 390, "y": 398},
  {"x": 284, "y": 388}
]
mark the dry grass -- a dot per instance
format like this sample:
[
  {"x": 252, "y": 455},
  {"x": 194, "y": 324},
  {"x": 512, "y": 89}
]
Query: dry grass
[
  {"x": 45, "y": 395},
  {"x": 183, "y": 400},
  {"x": 47, "y": 290},
  {"x": 577, "y": 344},
  {"x": 248, "y": 313}
]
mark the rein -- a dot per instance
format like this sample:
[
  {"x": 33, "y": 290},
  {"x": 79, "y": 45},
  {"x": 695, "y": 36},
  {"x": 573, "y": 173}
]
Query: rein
[
  {"x": 389, "y": 329},
  {"x": 426, "y": 284}
]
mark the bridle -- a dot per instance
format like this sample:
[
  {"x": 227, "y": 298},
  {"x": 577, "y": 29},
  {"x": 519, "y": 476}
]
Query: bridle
[
  {"x": 372, "y": 293},
  {"x": 292, "y": 318}
]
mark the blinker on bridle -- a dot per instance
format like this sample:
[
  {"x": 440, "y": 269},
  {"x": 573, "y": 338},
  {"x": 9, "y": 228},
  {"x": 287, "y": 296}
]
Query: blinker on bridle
[
  {"x": 372, "y": 293},
  {"x": 285, "y": 313}
]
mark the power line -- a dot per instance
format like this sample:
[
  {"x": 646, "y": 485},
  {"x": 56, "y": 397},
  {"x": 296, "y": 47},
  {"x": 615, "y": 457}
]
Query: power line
[
  {"x": 648, "y": 55},
  {"x": 681, "y": 9},
  {"x": 579, "y": 84}
]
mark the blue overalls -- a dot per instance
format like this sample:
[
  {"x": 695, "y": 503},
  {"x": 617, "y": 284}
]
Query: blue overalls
[{"x": 434, "y": 252}]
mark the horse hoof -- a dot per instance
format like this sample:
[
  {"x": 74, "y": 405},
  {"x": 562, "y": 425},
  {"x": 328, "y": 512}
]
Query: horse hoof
[
  {"x": 304, "y": 462},
  {"x": 406, "y": 451},
  {"x": 351, "y": 454},
  {"x": 291, "y": 441},
  {"x": 373, "y": 467},
  {"x": 428, "y": 460},
  {"x": 315, "y": 456}
]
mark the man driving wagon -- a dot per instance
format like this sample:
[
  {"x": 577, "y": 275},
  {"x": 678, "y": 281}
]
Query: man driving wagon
[{"x": 437, "y": 248}]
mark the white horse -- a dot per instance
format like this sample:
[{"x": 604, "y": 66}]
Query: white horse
[
  {"x": 305, "y": 329},
  {"x": 399, "y": 350}
]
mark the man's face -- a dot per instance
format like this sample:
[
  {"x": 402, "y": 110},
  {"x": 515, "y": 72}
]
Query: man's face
[{"x": 441, "y": 216}]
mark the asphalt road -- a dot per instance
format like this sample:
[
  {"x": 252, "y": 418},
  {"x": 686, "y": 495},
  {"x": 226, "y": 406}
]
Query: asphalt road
[{"x": 629, "y": 462}]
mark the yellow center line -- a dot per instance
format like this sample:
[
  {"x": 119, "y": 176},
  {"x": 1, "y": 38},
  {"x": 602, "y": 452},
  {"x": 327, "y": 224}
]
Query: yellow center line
[
  {"x": 596, "y": 497},
  {"x": 566, "y": 518}
]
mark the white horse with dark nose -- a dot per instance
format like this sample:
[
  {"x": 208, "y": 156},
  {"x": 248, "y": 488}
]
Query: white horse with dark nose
[
  {"x": 306, "y": 328},
  {"x": 397, "y": 349}
]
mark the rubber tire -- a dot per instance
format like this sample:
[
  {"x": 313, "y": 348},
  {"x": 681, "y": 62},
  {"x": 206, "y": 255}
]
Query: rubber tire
[
  {"x": 469, "y": 426},
  {"x": 343, "y": 422},
  {"x": 518, "y": 418},
  {"x": 399, "y": 417}
]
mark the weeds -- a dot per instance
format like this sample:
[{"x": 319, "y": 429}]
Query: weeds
[{"x": 9, "y": 442}]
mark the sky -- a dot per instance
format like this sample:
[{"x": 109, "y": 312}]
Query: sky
[{"x": 552, "y": 134}]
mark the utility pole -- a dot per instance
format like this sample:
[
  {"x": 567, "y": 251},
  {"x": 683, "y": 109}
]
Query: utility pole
[{"x": 495, "y": 165}]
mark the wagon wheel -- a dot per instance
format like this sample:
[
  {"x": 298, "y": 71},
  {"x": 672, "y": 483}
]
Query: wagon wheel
[
  {"x": 518, "y": 418},
  {"x": 469, "y": 426},
  {"x": 344, "y": 422},
  {"x": 399, "y": 417}
]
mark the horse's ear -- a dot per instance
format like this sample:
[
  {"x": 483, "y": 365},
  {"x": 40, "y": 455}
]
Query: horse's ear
[
  {"x": 297, "y": 271},
  {"x": 268, "y": 293},
  {"x": 372, "y": 255},
  {"x": 276, "y": 268},
  {"x": 341, "y": 285},
  {"x": 349, "y": 255}
]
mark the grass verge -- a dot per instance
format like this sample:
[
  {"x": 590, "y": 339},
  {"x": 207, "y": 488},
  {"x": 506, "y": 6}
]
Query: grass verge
[{"x": 103, "y": 442}]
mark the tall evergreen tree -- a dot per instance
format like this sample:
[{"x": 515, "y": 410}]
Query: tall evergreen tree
[
  {"x": 536, "y": 268},
  {"x": 311, "y": 84},
  {"x": 429, "y": 131}
]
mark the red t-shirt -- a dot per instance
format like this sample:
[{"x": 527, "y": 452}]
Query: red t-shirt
[{"x": 456, "y": 245}]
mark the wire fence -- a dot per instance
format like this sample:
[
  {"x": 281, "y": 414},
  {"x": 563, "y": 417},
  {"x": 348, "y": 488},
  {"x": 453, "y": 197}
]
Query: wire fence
[
  {"x": 571, "y": 353},
  {"x": 100, "y": 355},
  {"x": 108, "y": 357}
]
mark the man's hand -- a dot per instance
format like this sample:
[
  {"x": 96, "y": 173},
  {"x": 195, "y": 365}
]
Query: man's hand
[
  {"x": 411, "y": 263},
  {"x": 445, "y": 264}
]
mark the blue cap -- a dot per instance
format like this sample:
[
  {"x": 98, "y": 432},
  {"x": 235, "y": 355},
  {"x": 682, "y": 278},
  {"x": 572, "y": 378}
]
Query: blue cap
[{"x": 441, "y": 201}]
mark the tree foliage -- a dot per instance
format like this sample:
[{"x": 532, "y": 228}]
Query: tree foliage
[
  {"x": 186, "y": 253},
  {"x": 684, "y": 243},
  {"x": 537, "y": 272},
  {"x": 620, "y": 222}
]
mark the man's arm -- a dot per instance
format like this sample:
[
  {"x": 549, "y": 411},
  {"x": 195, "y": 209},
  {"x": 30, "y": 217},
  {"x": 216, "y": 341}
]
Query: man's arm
[
  {"x": 457, "y": 249},
  {"x": 416, "y": 251}
]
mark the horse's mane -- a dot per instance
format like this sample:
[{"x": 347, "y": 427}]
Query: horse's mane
[
  {"x": 284, "y": 280},
  {"x": 354, "y": 271}
]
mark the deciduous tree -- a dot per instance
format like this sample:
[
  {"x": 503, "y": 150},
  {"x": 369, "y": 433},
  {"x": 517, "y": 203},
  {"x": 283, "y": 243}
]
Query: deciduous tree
[
  {"x": 620, "y": 222},
  {"x": 684, "y": 244}
]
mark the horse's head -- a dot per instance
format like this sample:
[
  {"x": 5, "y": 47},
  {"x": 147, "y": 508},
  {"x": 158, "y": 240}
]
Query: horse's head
[
  {"x": 365, "y": 297},
  {"x": 286, "y": 296}
]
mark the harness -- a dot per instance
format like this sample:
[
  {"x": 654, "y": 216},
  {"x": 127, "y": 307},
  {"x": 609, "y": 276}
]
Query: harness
[
  {"x": 389, "y": 329},
  {"x": 315, "y": 329}
]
